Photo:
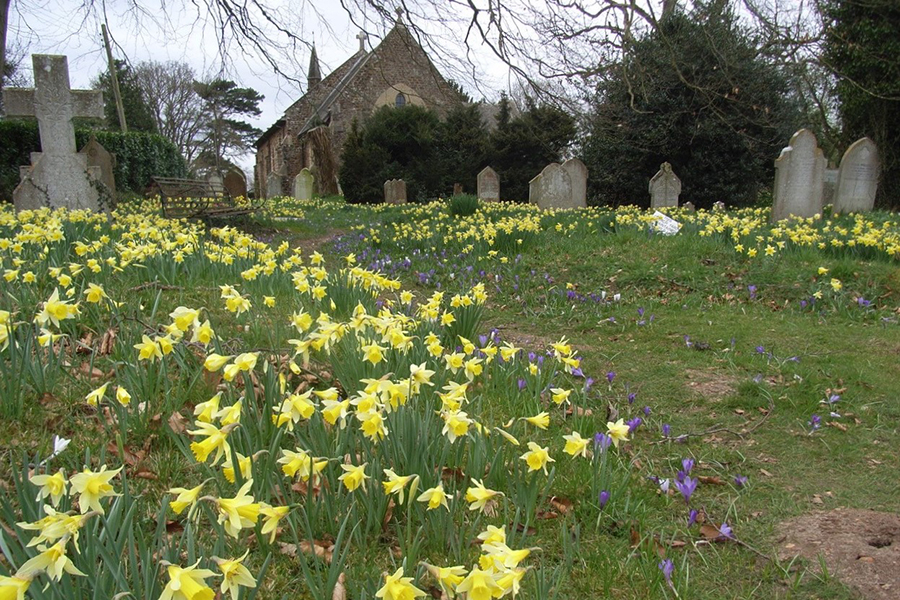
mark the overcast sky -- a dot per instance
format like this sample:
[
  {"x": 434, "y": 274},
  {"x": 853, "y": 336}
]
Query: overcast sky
[{"x": 63, "y": 27}]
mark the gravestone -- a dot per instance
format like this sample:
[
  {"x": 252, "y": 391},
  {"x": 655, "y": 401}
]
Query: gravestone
[
  {"x": 718, "y": 206},
  {"x": 457, "y": 189},
  {"x": 216, "y": 184},
  {"x": 395, "y": 191},
  {"x": 578, "y": 176},
  {"x": 534, "y": 190},
  {"x": 489, "y": 185},
  {"x": 689, "y": 206},
  {"x": 58, "y": 176},
  {"x": 98, "y": 156},
  {"x": 273, "y": 186},
  {"x": 555, "y": 187},
  {"x": 235, "y": 183},
  {"x": 799, "y": 178},
  {"x": 303, "y": 185},
  {"x": 665, "y": 187},
  {"x": 857, "y": 180}
]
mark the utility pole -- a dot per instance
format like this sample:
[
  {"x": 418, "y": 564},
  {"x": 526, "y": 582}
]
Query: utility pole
[{"x": 120, "y": 108}]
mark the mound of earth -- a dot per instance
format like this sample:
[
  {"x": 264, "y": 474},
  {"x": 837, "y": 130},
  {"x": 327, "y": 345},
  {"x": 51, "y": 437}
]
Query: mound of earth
[{"x": 860, "y": 547}]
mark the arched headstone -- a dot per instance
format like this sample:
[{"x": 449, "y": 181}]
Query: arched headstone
[
  {"x": 665, "y": 187},
  {"x": 857, "y": 180},
  {"x": 489, "y": 185},
  {"x": 799, "y": 178},
  {"x": 578, "y": 174},
  {"x": 304, "y": 183}
]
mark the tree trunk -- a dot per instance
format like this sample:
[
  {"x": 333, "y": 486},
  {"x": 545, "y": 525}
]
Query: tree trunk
[{"x": 4, "y": 23}]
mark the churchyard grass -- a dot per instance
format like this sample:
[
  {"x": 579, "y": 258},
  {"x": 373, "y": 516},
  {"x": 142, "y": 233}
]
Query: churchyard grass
[{"x": 733, "y": 361}]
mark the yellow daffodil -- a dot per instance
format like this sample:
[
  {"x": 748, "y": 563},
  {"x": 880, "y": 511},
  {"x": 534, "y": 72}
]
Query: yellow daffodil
[
  {"x": 560, "y": 395},
  {"x": 537, "y": 458},
  {"x": 188, "y": 583},
  {"x": 354, "y": 476},
  {"x": 271, "y": 516},
  {"x": 214, "y": 362},
  {"x": 396, "y": 484},
  {"x": 398, "y": 587},
  {"x": 541, "y": 420},
  {"x": 239, "y": 512},
  {"x": 300, "y": 464},
  {"x": 235, "y": 575},
  {"x": 51, "y": 486},
  {"x": 94, "y": 293},
  {"x": 478, "y": 495},
  {"x": 92, "y": 487},
  {"x": 51, "y": 560},
  {"x": 435, "y": 497},
  {"x": 618, "y": 431},
  {"x": 216, "y": 441},
  {"x": 447, "y": 577},
  {"x": 479, "y": 585},
  {"x": 122, "y": 396},
  {"x": 575, "y": 444},
  {"x": 185, "y": 498},
  {"x": 493, "y": 534},
  {"x": 148, "y": 349},
  {"x": 14, "y": 587}
]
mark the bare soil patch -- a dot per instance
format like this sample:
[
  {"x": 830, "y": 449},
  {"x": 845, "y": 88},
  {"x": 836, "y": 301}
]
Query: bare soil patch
[
  {"x": 859, "y": 547},
  {"x": 712, "y": 384}
]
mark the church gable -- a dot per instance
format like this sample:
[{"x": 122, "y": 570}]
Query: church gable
[{"x": 396, "y": 73}]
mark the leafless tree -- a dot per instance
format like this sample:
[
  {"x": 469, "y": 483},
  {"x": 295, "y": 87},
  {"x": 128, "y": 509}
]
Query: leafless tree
[{"x": 168, "y": 89}]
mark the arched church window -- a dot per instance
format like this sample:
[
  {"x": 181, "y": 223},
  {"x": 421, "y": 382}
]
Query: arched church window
[{"x": 400, "y": 101}]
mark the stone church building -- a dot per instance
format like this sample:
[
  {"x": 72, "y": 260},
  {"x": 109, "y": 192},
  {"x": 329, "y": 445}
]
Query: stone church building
[{"x": 312, "y": 130}]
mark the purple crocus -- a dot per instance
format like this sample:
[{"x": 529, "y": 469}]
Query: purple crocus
[
  {"x": 686, "y": 488},
  {"x": 760, "y": 350},
  {"x": 740, "y": 480},
  {"x": 667, "y": 567},
  {"x": 633, "y": 424},
  {"x": 687, "y": 464},
  {"x": 631, "y": 397},
  {"x": 687, "y": 341},
  {"x": 752, "y": 290},
  {"x": 588, "y": 383},
  {"x": 602, "y": 441},
  {"x": 815, "y": 422},
  {"x": 647, "y": 411},
  {"x": 640, "y": 312},
  {"x": 610, "y": 376},
  {"x": 692, "y": 517},
  {"x": 521, "y": 384},
  {"x": 663, "y": 485},
  {"x": 666, "y": 429},
  {"x": 726, "y": 531},
  {"x": 604, "y": 498}
]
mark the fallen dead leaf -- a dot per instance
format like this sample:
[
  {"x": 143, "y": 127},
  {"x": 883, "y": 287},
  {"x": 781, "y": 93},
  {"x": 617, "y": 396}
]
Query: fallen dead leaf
[
  {"x": 766, "y": 473},
  {"x": 837, "y": 425},
  {"x": 563, "y": 505},
  {"x": 339, "y": 592},
  {"x": 711, "y": 480},
  {"x": 107, "y": 342},
  {"x": 177, "y": 422}
]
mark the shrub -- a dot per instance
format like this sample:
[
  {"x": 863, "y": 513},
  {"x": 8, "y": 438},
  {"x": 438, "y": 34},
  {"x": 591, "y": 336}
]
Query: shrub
[{"x": 463, "y": 205}]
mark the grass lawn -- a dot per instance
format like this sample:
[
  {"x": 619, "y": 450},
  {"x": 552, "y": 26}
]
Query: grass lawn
[{"x": 367, "y": 351}]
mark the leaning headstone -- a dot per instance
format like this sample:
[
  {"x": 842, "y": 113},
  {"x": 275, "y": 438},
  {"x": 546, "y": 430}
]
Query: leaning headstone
[
  {"x": 556, "y": 187},
  {"x": 395, "y": 191},
  {"x": 273, "y": 186},
  {"x": 489, "y": 185},
  {"x": 303, "y": 185},
  {"x": 235, "y": 183},
  {"x": 534, "y": 190},
  {"x": 665, "y": 187},
  {"x": 98, "y": 156},
  {"x": 664, "y": 224},
  {"x": 799, "y": 178},
  {"x": 578, "y": 176},
  {"x": 58, "y": 176},
  {"x": 857, "y": 180}
]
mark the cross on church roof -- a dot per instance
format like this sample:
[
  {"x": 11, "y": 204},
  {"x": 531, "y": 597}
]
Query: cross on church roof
[
  {"x": 361, "y": 36},
  {"x": 53, "y": 103}
]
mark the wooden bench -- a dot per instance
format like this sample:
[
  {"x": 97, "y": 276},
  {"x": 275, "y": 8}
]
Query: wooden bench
[{"x": 197, "y": 199}]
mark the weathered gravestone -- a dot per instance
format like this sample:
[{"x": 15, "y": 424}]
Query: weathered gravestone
[
  {"x": 303, "y": 185},
  {"x": 578, "y": 176},
  {"x": 59, "y": 176},
  {"x": 857, "y": 180},
  {"x": 98, "y": 156},
  {"x": 489, "y": 185},
  {"x": 273, "y": 186},
  {"x": 457, "y": 189},
  {"x": 718, "y": 206},
  {"x": 235, "y": 183},
  {"x": 665, "y": 187},
  {"x": 534, "y": 190},
  {"x": 554, "y": 188},
  {"x": 395, "y": 191},
  {"x": 799, "y": 178},
  {"x": 689, "y": 206}
]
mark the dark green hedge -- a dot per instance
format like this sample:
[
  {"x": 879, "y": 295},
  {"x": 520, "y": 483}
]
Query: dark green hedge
[{"x": 139, "y": 156}]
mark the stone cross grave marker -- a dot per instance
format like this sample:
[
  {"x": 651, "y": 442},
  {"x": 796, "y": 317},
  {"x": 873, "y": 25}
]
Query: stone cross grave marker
[
  {"x": 799, "y": 178},
  {"x": 665, "y": 187},
  {"x": 395, "y": 191},
  {"x": 489, "y": 185},
  {"x": 857, "y": 180},
  {"x": 303, "y": 185},
  {"x": 273, "y": 186},
  {"x": 58, "y": 175},
  {"x": 578, "y": 176},
  {"x": 555, "y": 187},
  {"x": 98, "y": 156}
]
